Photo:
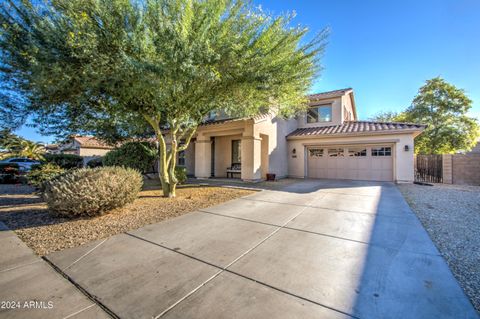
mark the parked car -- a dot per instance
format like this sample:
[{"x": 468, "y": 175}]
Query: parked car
[{"x": 25, "y": 164}]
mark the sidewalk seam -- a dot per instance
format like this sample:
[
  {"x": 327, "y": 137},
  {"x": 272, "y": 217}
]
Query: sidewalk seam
[{"x": 81, "y": 289}]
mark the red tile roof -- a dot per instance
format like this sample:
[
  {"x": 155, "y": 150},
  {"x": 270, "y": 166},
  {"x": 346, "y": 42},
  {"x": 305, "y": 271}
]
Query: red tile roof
[
  {"x": 91, "y": 142},
  {"x": 325, "y": 95},
  {"x": 352, "y": 127}
]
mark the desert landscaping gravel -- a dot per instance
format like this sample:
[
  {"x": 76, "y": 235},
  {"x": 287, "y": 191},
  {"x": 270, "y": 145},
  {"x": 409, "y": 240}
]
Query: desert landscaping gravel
[
  {"x": 451, "y": 216},
  {"x": 25, "y": 213}
]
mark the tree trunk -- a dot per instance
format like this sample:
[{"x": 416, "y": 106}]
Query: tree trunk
[
  {"x": 167, "y": 159},
  {"x": 163, "y": 172}
]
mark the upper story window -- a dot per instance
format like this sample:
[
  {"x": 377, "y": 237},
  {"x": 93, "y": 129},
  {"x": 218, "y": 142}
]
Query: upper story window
[{"x": 319, "y": 113}]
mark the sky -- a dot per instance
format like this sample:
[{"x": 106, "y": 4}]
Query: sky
[{"x": 386, "y": 49}]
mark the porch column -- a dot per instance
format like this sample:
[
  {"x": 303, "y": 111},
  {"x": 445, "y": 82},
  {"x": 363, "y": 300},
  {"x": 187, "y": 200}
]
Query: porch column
[
  {"x": 251, "y": 158},
  {"x": 203, "y": 154}
]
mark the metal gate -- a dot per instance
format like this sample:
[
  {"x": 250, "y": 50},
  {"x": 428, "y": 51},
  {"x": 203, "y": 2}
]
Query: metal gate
[{"x": 428, "y": 168}]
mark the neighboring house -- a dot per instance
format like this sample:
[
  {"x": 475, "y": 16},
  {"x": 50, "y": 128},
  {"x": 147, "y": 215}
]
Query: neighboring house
[
  {"x": 326, "y": 142},
  {"x": 52, "y": 148},
  {"x": 86, "y": 146}
]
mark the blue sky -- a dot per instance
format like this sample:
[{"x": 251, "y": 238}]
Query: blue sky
[{"x": 385, "y": 50}]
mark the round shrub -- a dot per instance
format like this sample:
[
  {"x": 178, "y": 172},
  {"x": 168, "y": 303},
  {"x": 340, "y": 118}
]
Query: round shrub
[
  {"x": 136, "y": 155},
  {"x": 66, "y": 161},
  {"x": 92, "y": 191},
  {"x": 40, "y": 174}
]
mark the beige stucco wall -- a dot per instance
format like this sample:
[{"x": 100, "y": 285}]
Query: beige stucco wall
[
  {"x": 276, "y": 129},
  {"x": 336, "y": 113},
  {"x": 402, "y": 161},
  {"x": 190, "y": 158},
  {"x": 93, "y": 151},
  {"x": 347, "y": 109}
]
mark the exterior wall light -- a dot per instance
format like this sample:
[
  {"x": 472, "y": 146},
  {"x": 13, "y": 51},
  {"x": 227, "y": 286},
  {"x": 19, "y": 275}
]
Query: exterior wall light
[
  {"x": 294, "y": 152},
  {"x": 406, "y": 148}
]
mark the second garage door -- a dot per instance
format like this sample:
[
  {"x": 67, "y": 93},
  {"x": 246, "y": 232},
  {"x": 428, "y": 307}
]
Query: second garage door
[{"x": 371, "y": 163}]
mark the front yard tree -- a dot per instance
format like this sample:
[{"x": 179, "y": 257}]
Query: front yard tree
[
  {"x": 444, "y": 108},
  {"x": 117, "y": 68}
]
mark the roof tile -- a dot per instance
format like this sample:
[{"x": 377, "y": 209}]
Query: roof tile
[
  {"x": 90, "y": 141},
  {"x": 356, "y": 127},
  {"x": 324, "y": 95}
]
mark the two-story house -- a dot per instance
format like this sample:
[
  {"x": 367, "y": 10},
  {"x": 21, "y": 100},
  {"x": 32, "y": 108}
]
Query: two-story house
[{"x": 326, "y": 142}]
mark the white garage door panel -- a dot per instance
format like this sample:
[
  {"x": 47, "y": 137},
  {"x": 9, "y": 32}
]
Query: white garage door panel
[{"x": 322, "y": 162}]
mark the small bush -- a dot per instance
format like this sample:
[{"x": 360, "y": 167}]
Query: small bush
[
  {"x": 65, "y": 161},
  {"x": 92, "y": 191},
  {"x": 181, "y": 174},
  {"x": 96, "y": 162},
  {"x": 39, "y": 174},
  {"x": 136, "y": 155}
]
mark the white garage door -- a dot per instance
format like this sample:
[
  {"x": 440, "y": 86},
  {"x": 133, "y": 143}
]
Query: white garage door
[{"x": 371, "y": 163}]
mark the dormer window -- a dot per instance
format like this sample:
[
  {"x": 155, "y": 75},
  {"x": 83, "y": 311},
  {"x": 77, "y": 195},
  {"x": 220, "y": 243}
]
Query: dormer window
[{"x": 319, "y": 113}]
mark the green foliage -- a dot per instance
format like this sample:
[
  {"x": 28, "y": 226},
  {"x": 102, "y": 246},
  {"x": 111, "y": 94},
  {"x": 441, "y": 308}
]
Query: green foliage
[
  {"x": 137, "y": 155},
  {"x": 389, "y": 116},
  {"x": 96, "y": 162},
  {"x": 15, "y": 146},
  {"x": 126, "y": 68},
  {"x": 91, "y": 192},
  {"x": 444, "y": 108},
  {"x": 39, "y": 174},
  {"x": 65, "y": 161},
  {"x": 7, "y": 138},
  {"x": 9, "y": 173},
  {"x": 28, "y": 149},
  {"x": 181, "y": 174}
]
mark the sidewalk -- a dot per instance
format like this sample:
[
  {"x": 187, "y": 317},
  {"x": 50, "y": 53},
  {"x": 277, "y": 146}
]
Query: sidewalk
[{"x": 31, "y": 288}]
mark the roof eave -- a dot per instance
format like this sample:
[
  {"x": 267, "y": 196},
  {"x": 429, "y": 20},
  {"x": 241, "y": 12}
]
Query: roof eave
[
  {"x": 97, "y": 147},
  {"x": 416, "y": 132}
]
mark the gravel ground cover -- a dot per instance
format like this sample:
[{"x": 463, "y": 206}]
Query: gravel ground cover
[
  {"x": 25, "y": 213},
  {"x": 451, "y": 216}
]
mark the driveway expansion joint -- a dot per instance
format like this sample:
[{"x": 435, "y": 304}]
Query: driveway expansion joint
[
  {"x": 80, "y": 311},
  {"x": 86, "y": 254},
  {"x": 408, "y": 214},
  {"x": 20, "y": 266},
  {"x": 320, "y": 234}
]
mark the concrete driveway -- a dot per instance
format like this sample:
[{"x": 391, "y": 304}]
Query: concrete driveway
[{"x": 316, "y": 249}]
